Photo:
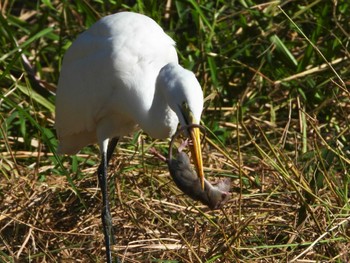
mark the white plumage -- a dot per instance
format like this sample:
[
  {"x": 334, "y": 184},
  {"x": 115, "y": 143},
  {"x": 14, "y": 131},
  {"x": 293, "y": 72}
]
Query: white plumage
[
  {"x": 107, "y": 85},
  {"x": 120, "y": 75}
]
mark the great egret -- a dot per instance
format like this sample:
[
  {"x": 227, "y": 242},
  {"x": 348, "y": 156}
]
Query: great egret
[{"x": 117, "y": 76}]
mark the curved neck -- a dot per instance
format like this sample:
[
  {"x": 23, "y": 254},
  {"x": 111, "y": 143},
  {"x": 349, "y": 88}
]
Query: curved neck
[{"x": 160, "y": 121}]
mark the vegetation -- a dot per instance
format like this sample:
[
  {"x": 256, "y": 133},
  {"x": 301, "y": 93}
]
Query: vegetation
[{"x": 275, "y": 76}]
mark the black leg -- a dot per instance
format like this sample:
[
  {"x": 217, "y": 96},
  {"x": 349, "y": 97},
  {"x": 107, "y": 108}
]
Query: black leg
[
  {"x": 106, "y": 214},
  {"x": 111, "y": 146}
]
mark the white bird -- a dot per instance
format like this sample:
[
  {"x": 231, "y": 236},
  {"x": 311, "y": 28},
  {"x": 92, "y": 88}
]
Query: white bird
[{"x": 120, "y": 75}]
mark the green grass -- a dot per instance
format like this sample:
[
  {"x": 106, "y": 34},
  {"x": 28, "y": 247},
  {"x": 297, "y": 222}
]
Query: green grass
[{"x": 275, "y": 76}]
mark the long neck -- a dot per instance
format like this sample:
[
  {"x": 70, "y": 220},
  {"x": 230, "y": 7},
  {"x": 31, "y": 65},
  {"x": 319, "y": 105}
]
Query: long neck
[{"x": 160, "y": 121}]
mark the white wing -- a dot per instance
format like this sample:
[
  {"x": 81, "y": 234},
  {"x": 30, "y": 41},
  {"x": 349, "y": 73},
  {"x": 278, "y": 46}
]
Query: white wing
[{"x": 107, "y": 82}]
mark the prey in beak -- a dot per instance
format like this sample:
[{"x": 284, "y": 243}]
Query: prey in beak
[
  {"x": 213, "y": 195},
  {"x": 192, "y": 129},
  {"x": 196, "y": 152}
]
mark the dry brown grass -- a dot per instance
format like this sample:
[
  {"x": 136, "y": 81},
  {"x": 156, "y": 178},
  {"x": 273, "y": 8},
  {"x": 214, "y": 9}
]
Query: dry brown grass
[
  {"x": 47, "y": 222},
  {"x": 279, "y": 130}
]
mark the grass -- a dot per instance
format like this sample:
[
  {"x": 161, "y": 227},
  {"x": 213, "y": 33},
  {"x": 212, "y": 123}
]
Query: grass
[{"x": 275, "y": 76}]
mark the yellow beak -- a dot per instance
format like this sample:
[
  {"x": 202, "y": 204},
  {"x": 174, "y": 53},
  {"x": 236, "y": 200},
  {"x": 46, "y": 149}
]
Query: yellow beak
[{"x": 197, "y": 153}]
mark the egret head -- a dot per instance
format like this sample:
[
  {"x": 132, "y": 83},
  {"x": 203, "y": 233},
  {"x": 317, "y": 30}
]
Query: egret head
[{"x": 185, "y": 97}]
